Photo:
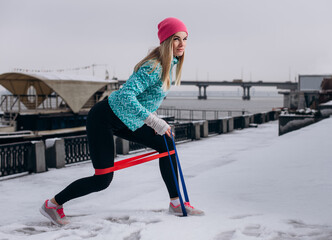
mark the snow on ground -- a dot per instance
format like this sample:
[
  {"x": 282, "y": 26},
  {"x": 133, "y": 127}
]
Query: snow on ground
[{"x": 251, "y": 184}]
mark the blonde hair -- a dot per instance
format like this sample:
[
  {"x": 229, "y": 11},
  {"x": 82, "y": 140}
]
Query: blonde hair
[{"x": 164, "y": 55}]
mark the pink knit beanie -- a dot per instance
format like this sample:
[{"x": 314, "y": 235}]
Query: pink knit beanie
[{"x": 170, "y": 26}]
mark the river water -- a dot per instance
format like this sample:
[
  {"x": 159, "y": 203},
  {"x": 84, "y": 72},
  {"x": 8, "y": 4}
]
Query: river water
[{"x": 254, "y": 105}]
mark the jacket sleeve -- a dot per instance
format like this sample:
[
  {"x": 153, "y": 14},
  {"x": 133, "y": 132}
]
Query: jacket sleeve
[{"x": 137, "y": 84}]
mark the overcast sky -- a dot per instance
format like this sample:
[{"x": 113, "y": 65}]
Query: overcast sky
[{"x": 269, "y": 40}]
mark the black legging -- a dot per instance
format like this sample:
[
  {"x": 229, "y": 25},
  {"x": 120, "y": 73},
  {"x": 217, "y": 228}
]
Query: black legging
[{"x": 102, "y": 123}]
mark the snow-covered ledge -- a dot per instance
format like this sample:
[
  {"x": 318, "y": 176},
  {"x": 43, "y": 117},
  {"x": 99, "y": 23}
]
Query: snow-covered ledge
[{"x": 36, "y": 161}]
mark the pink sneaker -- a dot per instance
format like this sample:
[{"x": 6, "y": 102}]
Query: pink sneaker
[
  {"x": 55, "y": 214},
  {"x": 177, "y": 210}
]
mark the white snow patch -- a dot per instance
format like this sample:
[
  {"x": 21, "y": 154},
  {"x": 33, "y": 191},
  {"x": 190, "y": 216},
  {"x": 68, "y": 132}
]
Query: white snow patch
[{"x": 251, "y": 184}]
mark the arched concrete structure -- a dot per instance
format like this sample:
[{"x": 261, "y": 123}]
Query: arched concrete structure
[{"x": 74, "y": 90}]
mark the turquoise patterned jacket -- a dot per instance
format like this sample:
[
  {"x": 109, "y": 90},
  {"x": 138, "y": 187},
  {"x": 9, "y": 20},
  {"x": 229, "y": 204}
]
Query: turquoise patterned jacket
[{"x": 141, "y": 95}]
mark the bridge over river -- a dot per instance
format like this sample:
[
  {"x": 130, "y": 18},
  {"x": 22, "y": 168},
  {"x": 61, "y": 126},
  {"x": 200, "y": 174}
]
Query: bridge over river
[{"x": 246, "y": 85}]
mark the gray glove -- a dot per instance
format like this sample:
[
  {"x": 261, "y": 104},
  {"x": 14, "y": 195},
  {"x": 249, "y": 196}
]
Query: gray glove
[{"x": 158, "y": 124}]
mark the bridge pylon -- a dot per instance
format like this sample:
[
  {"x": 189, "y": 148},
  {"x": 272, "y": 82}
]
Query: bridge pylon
[
  {"x": 246, "y": 92},
  {"x": 200, "y": 96}
]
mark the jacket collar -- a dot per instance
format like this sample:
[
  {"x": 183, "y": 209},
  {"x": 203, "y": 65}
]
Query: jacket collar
[{"x": 175, "y": 60}]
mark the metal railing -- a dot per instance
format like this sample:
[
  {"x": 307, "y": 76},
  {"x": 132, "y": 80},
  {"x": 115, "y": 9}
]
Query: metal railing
[
  {"x": 183, "y": 131},
  {"x": 192, "y": 115},
  {"x": 14, "y": 158},
  {"x": 214, "y": 126},
  {"x": 133, "y": 146},
  {"x": 17, "y": 157},
  {"x": 17, "y": 103},
  {"x": 76, "y": 149}
]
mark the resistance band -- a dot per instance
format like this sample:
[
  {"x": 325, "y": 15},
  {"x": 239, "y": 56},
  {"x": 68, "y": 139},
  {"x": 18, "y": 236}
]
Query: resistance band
[
  {"x": 184, "y": 188},
  {"x": 125, "y": 163},
  {"x": 129, "y": 162},
  {"x": 184, "y": 211}
]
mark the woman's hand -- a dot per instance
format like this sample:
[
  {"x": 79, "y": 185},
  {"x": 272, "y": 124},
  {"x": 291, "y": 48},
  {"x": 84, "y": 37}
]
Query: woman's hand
[
  {"x": 169, "y": 132},
  {"x": 157, "y": 124}
]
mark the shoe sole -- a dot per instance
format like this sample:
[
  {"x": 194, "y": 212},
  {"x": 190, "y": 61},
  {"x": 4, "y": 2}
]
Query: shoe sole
[
  {"x": 188, "y": 214},
  {"x": 176, "y": 214},
  {"x": 42, "y": 211}
]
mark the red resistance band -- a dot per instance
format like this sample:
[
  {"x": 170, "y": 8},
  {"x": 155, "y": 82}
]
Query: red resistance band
[{"x": 125, "y": 163}]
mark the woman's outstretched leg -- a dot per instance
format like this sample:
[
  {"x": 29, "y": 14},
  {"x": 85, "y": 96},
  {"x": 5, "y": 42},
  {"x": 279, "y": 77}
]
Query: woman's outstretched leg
[
  {"x": 101, "y": 146},
  {"x": 84, "y": 186}
]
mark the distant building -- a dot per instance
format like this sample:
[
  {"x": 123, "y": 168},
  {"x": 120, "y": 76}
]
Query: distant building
[
  {"x": 308, "y": 94},
  {"x": 47, "y": 101},
  {"x": 311, "y": 82}
]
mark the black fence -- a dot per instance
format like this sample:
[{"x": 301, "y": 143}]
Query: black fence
[
  {"x": 214, "y": 126},
  {"x": 192, "y": 115},
  {"x": 183, "y": 131},
  {"x": 135, "y": 146},
  {"x": 239, "y": 122},
  {"x": 14, "y": 158},
  {"x": 76, "y": 149}
]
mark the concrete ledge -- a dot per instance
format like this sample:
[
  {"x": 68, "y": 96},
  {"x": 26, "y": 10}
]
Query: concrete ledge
[
  {"x": 224, "y": 128},
  {"x": 289, "y": 123},
  {"x": 230, "y": 124},
  {"x": 250, "y": 118},
  {"x": 55, "y": 153},
  {"x": 37, "y": 161},
  {"x": 196, "y": 131},
  {"x": 122, "y": 146},
  {"x": 246, "y": 121},
  {"x": 204, "y": 128}
]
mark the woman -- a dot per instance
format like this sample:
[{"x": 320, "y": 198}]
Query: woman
[{"x": 129, "y": 113}]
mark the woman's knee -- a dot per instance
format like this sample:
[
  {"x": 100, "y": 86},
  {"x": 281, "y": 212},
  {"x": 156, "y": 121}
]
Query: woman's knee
[{"x": 102, "y": 181}]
